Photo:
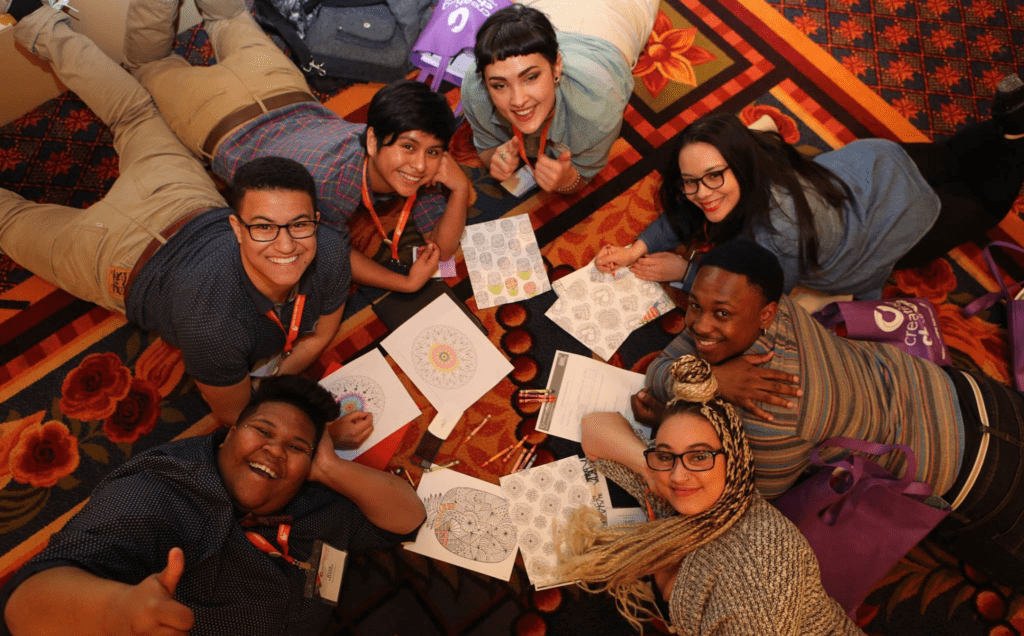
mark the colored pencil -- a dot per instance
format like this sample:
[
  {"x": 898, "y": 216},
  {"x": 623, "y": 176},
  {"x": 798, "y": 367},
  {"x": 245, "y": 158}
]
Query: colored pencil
[
  {"x": 477, "y": 429},
  {"x": 509, "y": 456},
  {"x": 498, "y": 455},
  {"x": 529, "y": 457},
  {"x": 539, "y": 398}
]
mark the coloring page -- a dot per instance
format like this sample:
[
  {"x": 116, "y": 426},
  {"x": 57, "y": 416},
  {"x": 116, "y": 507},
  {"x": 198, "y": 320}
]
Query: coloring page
[{"x": 504, "y": 261}]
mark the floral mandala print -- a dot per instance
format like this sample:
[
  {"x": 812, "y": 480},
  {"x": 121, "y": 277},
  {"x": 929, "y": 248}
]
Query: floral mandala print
[
  {"x": 472, "y": 524},
  {"x": 444, "y": 357},
  {"x": 359, "y": 393}
]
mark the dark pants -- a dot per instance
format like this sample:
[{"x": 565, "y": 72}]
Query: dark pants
[
  {"x": 977, "y": 174},
  {"x": 987, "y": 530}
]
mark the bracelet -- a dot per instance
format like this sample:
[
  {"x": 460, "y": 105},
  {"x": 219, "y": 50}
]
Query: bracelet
[{"x": 574, "y": 183}]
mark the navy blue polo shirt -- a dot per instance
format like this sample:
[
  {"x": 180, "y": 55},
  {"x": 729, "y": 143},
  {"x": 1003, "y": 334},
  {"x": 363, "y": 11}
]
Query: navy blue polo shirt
[{"x": 195, "y": 293}]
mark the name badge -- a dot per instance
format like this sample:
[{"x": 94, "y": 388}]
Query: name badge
[
  {"x": 521, "y": 182},
  {"x": 324, "y": 579}
]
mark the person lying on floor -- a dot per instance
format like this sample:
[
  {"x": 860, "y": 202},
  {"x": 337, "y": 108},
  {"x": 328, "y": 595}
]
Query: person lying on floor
[
  {"x": 232, "y": 287},
  {"x": 812, "y": 385},
  {"x": 840, "y": 222},
  {"x": 550, "y": 84},
  {"x": 255, "y": 102},
  {"x": 180, "y": 538},
  {"x": 721, "y": 559}
]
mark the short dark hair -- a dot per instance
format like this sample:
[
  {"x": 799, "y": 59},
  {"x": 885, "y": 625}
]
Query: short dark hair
[
  {"x": 407, "y": 105},
  {"x": 304, "y": 394},
  {"x": 740, "y": 256},
  {"x": 513, "y": 31},
  {"x": 271, "y": 173}
]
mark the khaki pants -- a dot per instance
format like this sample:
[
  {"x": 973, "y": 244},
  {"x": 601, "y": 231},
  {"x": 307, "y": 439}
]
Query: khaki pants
[
  {"x": 194, "y": 99},
  {"x": 625, "y": 23},
  {"x": 90, "y": 252}
]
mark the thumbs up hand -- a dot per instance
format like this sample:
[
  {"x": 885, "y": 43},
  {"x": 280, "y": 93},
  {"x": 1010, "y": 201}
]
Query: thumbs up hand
[
  {"x": 149, "y": 608},
  {"x": 554, "y": 174}
]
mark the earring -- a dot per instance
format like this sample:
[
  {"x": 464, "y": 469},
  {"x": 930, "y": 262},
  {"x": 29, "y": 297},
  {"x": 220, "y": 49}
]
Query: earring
[
  {"x": 558, "y": 80},
  {"x": 764, "y": 331}
]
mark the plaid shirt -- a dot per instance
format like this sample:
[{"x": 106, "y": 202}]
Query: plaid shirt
[{"x": 330, "y": 149}]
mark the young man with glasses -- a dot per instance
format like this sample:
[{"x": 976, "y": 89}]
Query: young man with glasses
[{"x": 163, "y": 248}]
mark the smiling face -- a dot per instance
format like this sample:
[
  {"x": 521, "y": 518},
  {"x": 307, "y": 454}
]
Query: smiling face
[
  {"x": 689, "y": 492},
  {"x": 695, "y": 161},
  {"x": 523, "y": 89},
  {"x": 264, "y": 460},
  {"x": 275, "y": 267},
  {"x": 402, "y": 167},
  {"x": 725, "y": 314}
]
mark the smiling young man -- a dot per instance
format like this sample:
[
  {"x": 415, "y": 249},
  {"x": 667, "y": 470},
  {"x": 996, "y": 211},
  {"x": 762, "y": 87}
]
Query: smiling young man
[
  {"x": 255, "y": 102},
  {"x": 224, "y": 285},
  {"x": 178, "y": 540}
]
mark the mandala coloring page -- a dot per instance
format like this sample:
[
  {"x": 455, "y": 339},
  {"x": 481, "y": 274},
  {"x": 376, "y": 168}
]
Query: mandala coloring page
[{"x": 504, "y": 261}]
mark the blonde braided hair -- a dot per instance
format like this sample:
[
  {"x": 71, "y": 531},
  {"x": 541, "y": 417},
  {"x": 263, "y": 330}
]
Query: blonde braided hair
[{"x": 616, "y": 558}]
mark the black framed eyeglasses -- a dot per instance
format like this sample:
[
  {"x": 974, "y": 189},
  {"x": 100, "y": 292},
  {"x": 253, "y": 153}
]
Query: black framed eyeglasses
[
  {"x": 696, "y": 460},
  {"x": 267, "y": 232},
  {"x": 711, "y": 181}
]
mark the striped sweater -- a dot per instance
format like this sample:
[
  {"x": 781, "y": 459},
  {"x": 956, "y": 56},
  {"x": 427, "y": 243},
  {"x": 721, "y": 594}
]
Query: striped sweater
[{"x": 864, "y": 390}]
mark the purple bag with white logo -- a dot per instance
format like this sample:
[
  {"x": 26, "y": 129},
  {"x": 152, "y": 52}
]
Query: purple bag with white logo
[
  {"x": 1014, "y": 310},
  {"x": 909, "y": 324},
  {"x": 445, "y": 47}
]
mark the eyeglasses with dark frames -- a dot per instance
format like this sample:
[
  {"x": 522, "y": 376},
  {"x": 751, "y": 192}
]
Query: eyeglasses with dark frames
[
  {"x": 711, "y": 181},
  {"x": 267, "y": 232},
  {"x": 696, "y": 460}
]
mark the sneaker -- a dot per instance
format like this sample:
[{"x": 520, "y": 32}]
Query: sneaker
[{"x": 1008, "y": 105}]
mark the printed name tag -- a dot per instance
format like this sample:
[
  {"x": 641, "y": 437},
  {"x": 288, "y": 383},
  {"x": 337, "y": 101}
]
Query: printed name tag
[
  {"x": 521, "y": 182},
  {"x": 328, "y": 577}
]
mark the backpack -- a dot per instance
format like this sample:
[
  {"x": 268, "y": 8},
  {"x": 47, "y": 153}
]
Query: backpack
[{"x": 337, "y": 42}]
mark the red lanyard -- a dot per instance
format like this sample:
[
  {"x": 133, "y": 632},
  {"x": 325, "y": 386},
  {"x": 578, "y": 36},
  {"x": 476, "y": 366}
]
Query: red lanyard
[
  {"x": 402, "y": 219},
  {"x": 283, "y": 531},
  {"x": 293, "y": 330},
  {"x": 543, "y": 141}
]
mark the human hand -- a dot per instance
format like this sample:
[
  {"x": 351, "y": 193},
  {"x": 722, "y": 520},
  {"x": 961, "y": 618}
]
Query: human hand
[
  {"x": 451, "y": 175},
  {"x": 149, "y": 608},
  {"x": 349, "y": 431},
  {"x": 505, "y": 160},
  {"x": 647, "y": 409},
  {"x": 659, "y": 267},
  {"x": 553, "y": 174},
  {"x": 741, "y": 382},
  {"x": 610, "y": 257},
  {"x": 423, "y": 269}
]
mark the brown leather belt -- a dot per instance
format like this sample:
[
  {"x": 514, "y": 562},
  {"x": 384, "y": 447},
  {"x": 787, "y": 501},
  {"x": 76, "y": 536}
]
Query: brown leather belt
[
  {"x": 250, "y": 112},
  {"x": 154, "y": 245}
]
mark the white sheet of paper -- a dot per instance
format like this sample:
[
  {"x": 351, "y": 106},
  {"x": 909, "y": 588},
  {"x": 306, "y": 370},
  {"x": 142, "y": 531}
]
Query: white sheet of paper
[
  {"x": 468, "y": 524},
  {"x": 446, "y": 356},
  {"x": 504, "y": 261},
  {"x": 601, "y": 310},
  {"x": 369, "y": 384},
  {"x": 583, "y": 386},
  {"x": 542, "y": 496}
]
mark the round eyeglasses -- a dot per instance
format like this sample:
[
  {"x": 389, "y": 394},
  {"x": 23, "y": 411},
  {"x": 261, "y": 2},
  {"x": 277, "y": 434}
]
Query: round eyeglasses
[
  {"x": 711, "y": 181},
  {"x": 267, "y": 232},
  {"x": 696, "y": 460}
]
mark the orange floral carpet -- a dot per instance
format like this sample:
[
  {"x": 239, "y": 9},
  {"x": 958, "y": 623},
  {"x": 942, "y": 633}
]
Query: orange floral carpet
[{"x": 81, "y": 390}]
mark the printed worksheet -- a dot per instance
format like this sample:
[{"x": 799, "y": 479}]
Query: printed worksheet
[{"x": 504, "y": 261}]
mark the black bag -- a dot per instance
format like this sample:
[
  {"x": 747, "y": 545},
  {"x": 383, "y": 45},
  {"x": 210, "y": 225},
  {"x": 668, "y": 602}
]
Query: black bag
[{"x": 347, "y": 41}]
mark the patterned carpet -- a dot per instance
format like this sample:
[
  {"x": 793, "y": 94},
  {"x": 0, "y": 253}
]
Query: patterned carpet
[{"x": 81, "y": 391}]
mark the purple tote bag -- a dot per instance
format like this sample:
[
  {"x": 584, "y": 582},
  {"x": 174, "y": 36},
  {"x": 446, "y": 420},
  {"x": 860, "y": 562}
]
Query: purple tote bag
[
  {"x": 859, "y": 519},
  {"x": 1014, "y": 310},
  {"x": 909, "y": 324}
]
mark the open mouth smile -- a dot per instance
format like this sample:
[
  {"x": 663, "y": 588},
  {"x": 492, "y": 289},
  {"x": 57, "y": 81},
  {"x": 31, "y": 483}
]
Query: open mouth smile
[
  {"x": 263, "y": 470},
  {"x": 284, "y": 261},
  {"x": 524, "y": 115}
]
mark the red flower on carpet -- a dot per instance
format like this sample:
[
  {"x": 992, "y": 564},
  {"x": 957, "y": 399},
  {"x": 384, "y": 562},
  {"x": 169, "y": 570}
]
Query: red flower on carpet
[
  {"x": 93, "y": 389},
  {"x": 670, "y": 56},
  {"x": 942, "y": 39},
  {"x": 10, "y": 158},
  {"x": 851, "y": 30},
  {"x": 938, "y": 7},
  {"x": 900, "y": 71},
  {"x": 892, "y": 6},
  {"x": 990, "y": 78},
  {"x": 896, "y": 34},
  {"x": 79, "y": 119},
  {"x": 932, "y": 281},
  {"x": 462, "y": 149},
  {"x": 953, "y": 114},
  {"x": 807, "y": 24},
  {"x": 161, "y": 366},
  {"x": 947, "y": 76},
  {"x": 855, "y": 64},
  {"x": 107, "y": 169},
  {"x": 10, "y": 433},
  {"x": 60, "y": 162},
  {"x": 30, "y": 118},
  {"x": 785, "y": 124},
  {"x": 44, "y": 454},
  {"x": 989, "y": 44},
  {"x": 983, "y": 341},
  {"x": 906, "y": 107},
  {"x": 983, "y": 9},
  {"x": 135, "y": 415}
]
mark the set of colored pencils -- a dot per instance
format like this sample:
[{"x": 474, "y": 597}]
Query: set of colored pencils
[
  {"x": 524, "y": 458},
  {"x": 528, "y": 396},
  {"x": 505, "y": 453}
]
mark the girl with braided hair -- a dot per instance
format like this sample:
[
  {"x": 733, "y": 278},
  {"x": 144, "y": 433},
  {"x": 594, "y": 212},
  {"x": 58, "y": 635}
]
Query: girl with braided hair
[{"x": 720, "y": 558}]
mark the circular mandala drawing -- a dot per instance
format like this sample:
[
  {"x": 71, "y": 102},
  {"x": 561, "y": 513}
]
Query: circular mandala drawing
[
  {"x": 359, "y": 393},
  {"x": 444, "y": 357}
]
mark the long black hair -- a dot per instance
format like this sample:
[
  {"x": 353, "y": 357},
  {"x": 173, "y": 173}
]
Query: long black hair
[{"x": 758, "y": 160}]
